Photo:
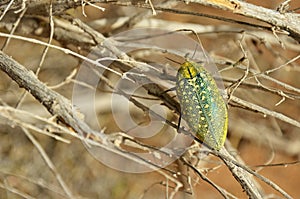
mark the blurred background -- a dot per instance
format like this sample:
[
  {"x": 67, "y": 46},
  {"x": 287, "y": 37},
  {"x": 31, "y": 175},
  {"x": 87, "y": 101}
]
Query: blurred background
[{"x": 265, "y": 143}]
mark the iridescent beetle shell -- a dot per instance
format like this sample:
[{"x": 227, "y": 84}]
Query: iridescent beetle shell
[{"x": 202, "y": 105}]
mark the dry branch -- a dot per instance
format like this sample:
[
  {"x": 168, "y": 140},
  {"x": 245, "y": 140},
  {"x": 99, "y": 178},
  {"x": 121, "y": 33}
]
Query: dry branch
[
  {"x": 61, "y": 107},
  {"x": 283, "y": 21},
  {"x": 278, "y": 22},
  {"x": 55, "y": 103},
  {"x": 78, "y": 33}
]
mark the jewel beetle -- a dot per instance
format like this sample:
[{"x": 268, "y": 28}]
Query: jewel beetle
[{"x": 202, "y": 105}]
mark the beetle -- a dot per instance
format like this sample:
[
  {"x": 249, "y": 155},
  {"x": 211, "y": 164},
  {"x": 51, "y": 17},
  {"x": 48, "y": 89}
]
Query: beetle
[{"x": 202, "y": 105}]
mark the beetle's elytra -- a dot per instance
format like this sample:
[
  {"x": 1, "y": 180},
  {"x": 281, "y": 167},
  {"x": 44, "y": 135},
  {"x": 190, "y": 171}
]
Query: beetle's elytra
[{"x": 202, "y": 105}]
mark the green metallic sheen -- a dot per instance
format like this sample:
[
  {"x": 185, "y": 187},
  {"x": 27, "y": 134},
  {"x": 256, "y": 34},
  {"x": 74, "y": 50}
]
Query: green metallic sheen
[{"x": 202, "y": 105}]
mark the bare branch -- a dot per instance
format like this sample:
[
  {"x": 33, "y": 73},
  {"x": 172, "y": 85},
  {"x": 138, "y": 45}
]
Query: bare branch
[{"x": 288, "y": 22}]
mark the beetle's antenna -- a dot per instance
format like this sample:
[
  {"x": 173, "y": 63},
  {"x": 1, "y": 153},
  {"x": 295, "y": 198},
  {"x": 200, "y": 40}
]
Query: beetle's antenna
[
  {"x": 199, "y": 41},
  {"x": 173, "y": 60}
]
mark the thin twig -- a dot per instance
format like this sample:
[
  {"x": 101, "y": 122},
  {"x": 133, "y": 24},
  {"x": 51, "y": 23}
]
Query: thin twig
[
  {"x": 65, "y": 50},
  {"x": 49, "y": 163},
  {"x": 16, "y": 191},
  {"x": 265, "y": 111},
  {"x": 6, "y": 9},
  {"x": 228, "y": 159},
  {"x": 14, "y": 27},
  {"x": 218, "y": 188}
]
